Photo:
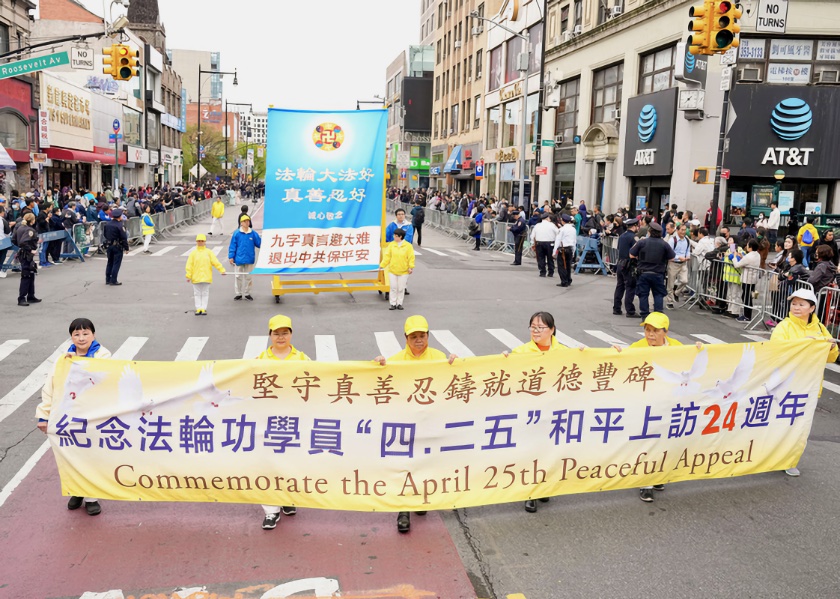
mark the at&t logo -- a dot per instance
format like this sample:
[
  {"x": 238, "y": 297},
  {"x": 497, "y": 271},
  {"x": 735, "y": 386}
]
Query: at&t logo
[
  {"x": 790, "y": 120},
  {"x": 647, "y": 129}
]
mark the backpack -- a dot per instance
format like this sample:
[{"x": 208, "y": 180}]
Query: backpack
[
  {"x": 474, "y": 228},
  {"x": 807, "y": 237},
  {"x": 419, "y": 215}
]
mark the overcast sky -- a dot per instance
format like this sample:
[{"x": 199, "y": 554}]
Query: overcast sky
[{"x": 311, "y": 54}]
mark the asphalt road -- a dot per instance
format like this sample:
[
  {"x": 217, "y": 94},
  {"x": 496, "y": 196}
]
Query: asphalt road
[{"x": 759, "y": 536}]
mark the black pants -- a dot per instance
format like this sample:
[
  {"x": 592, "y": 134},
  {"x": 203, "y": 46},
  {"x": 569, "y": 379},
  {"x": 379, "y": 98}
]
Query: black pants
[
  {"x": 747, "y": 297},
  {"x": 418, "y": 233},
  {"x": 564, "y": 265},
  {"x": 27, "y": 278},
  {"x": 478, "y": 242},
  {"x": 112, "y": 270},
  {"x": 544, "y": 258},
  {"x": 518, "y": 244},
  {"x": 54, "y": 250},
  {"x": 625, "y": 289}
]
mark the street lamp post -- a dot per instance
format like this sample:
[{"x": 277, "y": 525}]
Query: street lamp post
[
  {"x": 524, "y": 63},
  {"x": 198, "y": 114},
  {"x": 227, "y": 131}
]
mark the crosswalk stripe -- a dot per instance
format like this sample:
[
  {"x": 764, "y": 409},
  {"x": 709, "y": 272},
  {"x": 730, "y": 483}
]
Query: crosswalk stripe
[
  {"x": 9, "y": 346},
  {"x": 457, "y": 253},
  {"x": 756, "y": 338},
  {"x": 217, "y": 249},
  {"x": 325, "y": 348},
  {"x": 609, "y": 339},
  {"x": 387, "y": 343},
  {"x": 129, "y": 348},
  {"x": 255, "y": 346},
  {"x": 452, "y": 344},
  {"x": 32, "y": 383},
  {"x": 192, "y": 349},
  {"x": 831, "y": 387},
  {"x": 187, "y": 253},
  {"x": 164, "y": 250},
  {"x": 568, "y": 341},
  {"x": 435, "y": 252},
  {"x": 23, "y": 472},
  {"x": 507, "y": 338},
  {"x": 833, "y": 367},
  {"x": 416, "y": 253},
  {"x": 708, "y": 339},
  {"x": 137, "y": 250}
]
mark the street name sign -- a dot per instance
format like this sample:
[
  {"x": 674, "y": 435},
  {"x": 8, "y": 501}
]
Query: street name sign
[{"x": 30, "y": 65}]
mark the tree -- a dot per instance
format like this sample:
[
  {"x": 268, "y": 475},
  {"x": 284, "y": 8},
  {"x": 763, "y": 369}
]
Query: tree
[{"x": 214, "y": 147}]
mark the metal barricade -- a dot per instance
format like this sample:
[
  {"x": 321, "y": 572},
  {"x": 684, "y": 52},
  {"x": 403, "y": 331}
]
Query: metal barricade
[
  {"x": 777, "y": 304},
  {"x": 828, "y": 309},
  {"x": 586, "y": 247},
  {"x": 609, "y": 252},
  {"x": 133, "y": 229}
]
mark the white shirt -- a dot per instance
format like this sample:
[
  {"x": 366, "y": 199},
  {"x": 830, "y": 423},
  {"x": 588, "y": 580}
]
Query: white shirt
[
  {"x": 545, "y": 230},
  {"x": 704, "y": 246},
  {"x": 775, "y": 218},
  {"x": 682, "y": 247},
  {"x": 566, "y": 237}
]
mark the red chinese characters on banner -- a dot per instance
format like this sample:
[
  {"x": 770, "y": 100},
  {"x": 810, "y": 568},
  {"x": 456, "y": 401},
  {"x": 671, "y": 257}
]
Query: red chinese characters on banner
[{"x": 309, "y": 249}]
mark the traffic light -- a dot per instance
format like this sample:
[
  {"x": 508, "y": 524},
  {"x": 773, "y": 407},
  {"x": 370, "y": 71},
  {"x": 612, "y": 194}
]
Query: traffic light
[
  {"x": 126, "y": 62},
  {"x": 725, "y": 27},
  {"x": 700, "y": 28},
  {"x": 109, "y": 60}
]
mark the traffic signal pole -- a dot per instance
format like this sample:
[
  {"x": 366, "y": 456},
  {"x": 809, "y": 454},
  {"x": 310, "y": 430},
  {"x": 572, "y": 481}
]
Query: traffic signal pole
[{"x": 724, "y": 121}]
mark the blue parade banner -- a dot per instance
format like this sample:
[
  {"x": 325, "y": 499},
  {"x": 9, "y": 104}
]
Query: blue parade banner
[{"x": 325, "y": 191}]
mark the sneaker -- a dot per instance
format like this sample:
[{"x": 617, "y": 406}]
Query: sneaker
[
  {"x": 792, "y": 472},
  {"x": 399, "y": 307},
  {"x": 270, "y": 521},
  {"x": 389, "y": 307},
  {"x": 237, "y": 297},
  {"x": 531, "y": 506},
  {"x": 204, "y": 312},
  {"x": 631, "y": 315},
  {"x": 75, "y": 503},
  {"x": 46, "y": 265},
  {"x": 93, "y": 508},
  {"x": 249, "y": 298},
  {"x": 742, "y": 319},
  {"x": 23, "y": 303},
  {"x": 198, "y": 312},
  {"x": 646, "y": 495},
  {"x": 658, "y": 487},
  {"x": 404, "y": 522},
  {"x": 406, "y": 292},
  {"x": 670, "y": 306},
  {"x": 34, "y": 300},
  {"x": 289, "y": 510}
]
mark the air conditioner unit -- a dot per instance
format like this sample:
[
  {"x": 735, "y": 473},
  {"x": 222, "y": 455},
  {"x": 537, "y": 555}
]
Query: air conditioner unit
[
  {"x": 829, "y": 76},
  {"x": 749, "y": 74},
  {"x": 457, "y": 44},
  {"x": 448, "y": 13},
  {"x": 451, "y": 132},
  {"x": 615, "y": 114},
  {"x": 578, "y": 30},
  {"x": 469, "y": 79},
  {"x": 567, "y": 35},
  {"x": 616, "y": 11},
  {"x": 558, "y": 139},
  {"x": 476, "y": 30}
]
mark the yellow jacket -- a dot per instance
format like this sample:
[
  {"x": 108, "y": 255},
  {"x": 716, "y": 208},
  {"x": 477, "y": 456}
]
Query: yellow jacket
[
  {"x": 427, "y": 356},
  {"x": 533, "y": 348},
  {"x": 218, "y": 210},
  {"x": 293, "y": 355},
  {"x": 792, "y": 328},
  {"x": 200, "y": 265},
  {"x": 644, "y": 342},
  {"x": 814, "y": 234},
  {"x": 45, "y": 407},
  {"x": 398, "y": 258}
]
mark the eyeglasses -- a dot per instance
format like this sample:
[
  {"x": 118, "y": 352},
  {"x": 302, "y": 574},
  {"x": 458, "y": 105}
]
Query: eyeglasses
[{"x": 538, "y": 329}]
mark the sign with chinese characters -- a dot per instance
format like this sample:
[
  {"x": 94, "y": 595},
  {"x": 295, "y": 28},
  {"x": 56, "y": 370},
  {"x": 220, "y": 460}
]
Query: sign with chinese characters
[
  {"x": 325, "y": 191},
  {"x": 43, "y": 129},
  {"x": 70, "y": 114},
  {"x": 430, "y": 435},
  {"x": 828, "y": 50},
  {"x": 787, "y": 72},
  {"x": 788, "y": 49}
]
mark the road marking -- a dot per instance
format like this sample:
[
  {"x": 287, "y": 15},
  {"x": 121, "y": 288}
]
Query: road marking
[
  {"x": 507, "y": 338},
  {"x": 192, "y": 349},
  {"x": 568, "y": 341},
  {"x": 23, "y": 472},
  {"x": 434, "y": 251},
  {"x": 757, "y": 338},
  {"x": 832, "y": 387},
  {"x": 187, "y": 253},
  {"x": 609, "y": 339},
  {"x": 163, "y": 250},
  {"x": 387, "y": 343},
  {"x": 217, "y": 249},
  {"x": 833, "y": 367},
  {"x": 325, "y": 348},
  {"x": 255, "y": 346},
  {"x": 452, "y": 344},
  {"x": 9, "y": 346},
  {"x": 32, "y": 383},
  {"x": 416, "y": 253},
  {"x": 129, "y": 348},
  {"x": 708, "y": 339},
  {"x": 457, "y": 253},
  {"x": 136, "y": 251}
]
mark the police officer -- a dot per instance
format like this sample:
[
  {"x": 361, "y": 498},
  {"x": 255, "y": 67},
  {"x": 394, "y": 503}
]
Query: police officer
[
  {"x": 519, "y": 230},
  {"x": 116, "y": 242},
  {"x": 564, "y": 250},
  {"x": 653, "y": 254},
  {"x": 543, "y": 236},
  {"x": 26, "y": 239},
  {"x": 625, "y": 286}
]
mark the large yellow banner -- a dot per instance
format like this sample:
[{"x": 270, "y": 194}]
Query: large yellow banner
[{"x": 430, "y": 435}]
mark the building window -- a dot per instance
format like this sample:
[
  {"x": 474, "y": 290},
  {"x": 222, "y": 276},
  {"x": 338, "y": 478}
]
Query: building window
[
  {"x": 437, "y": 114},
  {"x": 491, "y": 178},
  {"x": 564, "y": 19},
  {"x": 469, "y": 68},
  {"x": 657, "y": 70},
  {"x": 567, "y": 111},
  {"x": 443, "y": 130},
  {"x": 533, "y": 117},
  {"x": 790, "y": 61},
  {"x": 578, "y": 13},
  {"x": 437, "y": 87},
  {"x": 477, "y": 117},
  {"x": 496, "y": 68},
  {"x": 535, "y": 36},
  {"x": 493, "y": 127},
  {"x": 515, "y": 46},
  {"x": 437, "y": 52},
  {"x": 453, "y": 126},
  {"x": 606, "y": 92},
  {"x": 479, "y": 56},
  {"x": 13, "y": 132},
  {"x": 512, "y": 121},
  {"x": 457, "y": 76}
]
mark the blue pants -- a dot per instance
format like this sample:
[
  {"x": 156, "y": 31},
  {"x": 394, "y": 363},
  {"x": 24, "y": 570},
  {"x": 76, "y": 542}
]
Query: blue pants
[
  {"x": 646, "y": 283},
  {"x": 806, "y": 249}
]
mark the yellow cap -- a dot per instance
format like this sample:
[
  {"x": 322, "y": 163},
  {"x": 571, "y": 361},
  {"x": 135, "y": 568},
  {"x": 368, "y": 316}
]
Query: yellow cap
[
  {"x": 201, "y": 237},
  {"x": 414, "y": 324},
  {"x": 657, "y": 320},
  {"x": 279, "y": 322}
]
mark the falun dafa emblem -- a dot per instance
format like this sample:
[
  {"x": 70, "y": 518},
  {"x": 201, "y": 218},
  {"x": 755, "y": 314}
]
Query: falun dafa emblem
[{"x": 328, "y": 137}]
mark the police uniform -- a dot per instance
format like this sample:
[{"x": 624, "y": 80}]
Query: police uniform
[{"x": 625, "y": 283}]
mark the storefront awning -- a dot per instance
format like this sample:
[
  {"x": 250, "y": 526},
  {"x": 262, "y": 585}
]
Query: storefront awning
[
  {"x": 81, "y": 156},
  {"x": 6, "y": 162},
  {"x": 470, "y": 174},
  {"x": 453, "y": 163}
]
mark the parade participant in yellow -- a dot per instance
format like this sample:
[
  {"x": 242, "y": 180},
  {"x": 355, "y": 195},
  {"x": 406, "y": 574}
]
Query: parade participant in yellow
[
  {"x": 200, "y": 267},
  {"x": 281, "y": 348},
  {"x": 217, "y": 211},
  {"x": 802, "y": 323},
  {"x": 398, "y": 259},
  {"x": 416, "y": 349}
]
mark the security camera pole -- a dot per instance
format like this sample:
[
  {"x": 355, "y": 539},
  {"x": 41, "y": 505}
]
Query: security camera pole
[{"x": 524, "y": 62}]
